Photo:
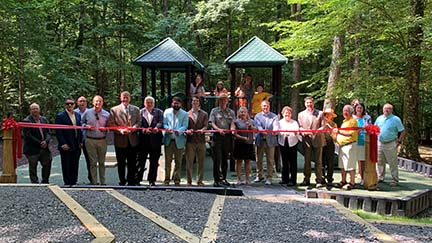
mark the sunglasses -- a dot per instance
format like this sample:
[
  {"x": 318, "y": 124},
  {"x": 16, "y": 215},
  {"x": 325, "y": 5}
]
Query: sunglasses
[{"x": 69, "y": 103}]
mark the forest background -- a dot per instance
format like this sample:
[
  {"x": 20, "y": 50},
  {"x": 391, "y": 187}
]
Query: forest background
[{"x": 375, "y": 50}]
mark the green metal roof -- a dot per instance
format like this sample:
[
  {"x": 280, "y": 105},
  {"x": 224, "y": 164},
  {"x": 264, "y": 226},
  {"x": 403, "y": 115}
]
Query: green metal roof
[
  {"x": 168, "y": 55},
  {"x": 256, "y": 52}
]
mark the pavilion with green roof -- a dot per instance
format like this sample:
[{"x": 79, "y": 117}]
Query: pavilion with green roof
[
  {"x": 166, "y": 57},
  {"x": 257, "y": 53}
]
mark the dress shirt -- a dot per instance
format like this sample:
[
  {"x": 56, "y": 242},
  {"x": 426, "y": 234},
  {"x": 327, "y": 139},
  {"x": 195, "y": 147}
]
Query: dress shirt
[{"x": 90, "y": 118}]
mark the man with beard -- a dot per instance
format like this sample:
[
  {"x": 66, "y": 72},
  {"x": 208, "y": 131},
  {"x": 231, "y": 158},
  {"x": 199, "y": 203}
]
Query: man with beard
[{"x": 175, "y": 124}]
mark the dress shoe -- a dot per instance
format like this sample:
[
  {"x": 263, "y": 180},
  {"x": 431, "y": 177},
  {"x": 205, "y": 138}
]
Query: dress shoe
[
  {"x": 152, "y": 184},
  {"x": 122, "y": 183},
  {"x": 225, "y": 183},
  {"x": 305, "y": 183},
  {"x": 200, "y": 183},
  {"x": 216, "y": 184},
  {"x": 291, "y": 184},
  {"x": 177, "y": 183},
  {"x": 282, "y": 183}
]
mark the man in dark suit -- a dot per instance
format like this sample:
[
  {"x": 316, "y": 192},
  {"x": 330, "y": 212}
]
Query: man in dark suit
[
  {"x": 69, "y": 142},
  {"x": 125, "y": 116},
  {"x": 195, "y": 146},
  {"x": 36, "y": 145},
  {"x": 150, "y": 140}
]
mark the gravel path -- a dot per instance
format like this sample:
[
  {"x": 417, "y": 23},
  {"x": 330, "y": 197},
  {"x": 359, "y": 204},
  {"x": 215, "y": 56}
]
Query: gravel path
[
  {"x": 34, "y": 214},
  {"x": 249, "y": 220},
  {"x": 189, "y": 210},
  {"x": 407, "y": 233},
  {"x": 126, "y": 224}
]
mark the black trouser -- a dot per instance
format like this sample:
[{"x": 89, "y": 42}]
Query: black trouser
[
  {"x": 328, "y": 160},
  {"x": 289, "y": 163},
  {"x": 145, "y": 151},
  {"x": 221, "y": 149},
  {"x": 129, "y": 153},
  {"x": 70, "y": 163},
  {"x": 45, "y": 158}
]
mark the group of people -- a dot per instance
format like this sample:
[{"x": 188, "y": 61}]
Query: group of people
[{"x": 246, "y": 136}]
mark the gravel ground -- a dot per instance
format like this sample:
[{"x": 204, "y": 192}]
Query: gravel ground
[
  {"x": 249, "y": 220},
  {"x": 407, "y": 233},
  {"x": 126, "y": 224},
  {"x": 34, "y": 214},
  {"x": 188, "y": 210}
]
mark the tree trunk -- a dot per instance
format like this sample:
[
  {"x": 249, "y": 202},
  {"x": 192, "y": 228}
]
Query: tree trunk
[
  {"x": 295, "y": 91},
  {"x": 335, "y": 72},
  {"x": 228, "y": 34},
  {"x": 411, "y": 98},
  {"x": 81, "y": 27}
]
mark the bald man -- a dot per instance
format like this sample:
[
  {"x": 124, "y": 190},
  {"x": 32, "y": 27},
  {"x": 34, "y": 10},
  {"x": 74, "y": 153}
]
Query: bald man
[{"x": 36, "y": 145}]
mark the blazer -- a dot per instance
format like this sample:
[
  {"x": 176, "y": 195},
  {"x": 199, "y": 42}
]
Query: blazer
[
  {"x": 315, "y": 139},
  {"x": 181, "y": 124},
  {"x": 119, "y": 118},
  {"x": 201, "y": 122},
  {"x": 33, "y": 137},
  {"x": 153, "y": 140},
  {"x": 261, "y": 124},
  {"x": 71, "y": 137}
]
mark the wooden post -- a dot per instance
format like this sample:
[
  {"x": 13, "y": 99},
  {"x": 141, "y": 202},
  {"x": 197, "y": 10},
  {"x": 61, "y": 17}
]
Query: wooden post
[
  {"x": 8, "y": 173},
  {"x": 370, "y": 174}
]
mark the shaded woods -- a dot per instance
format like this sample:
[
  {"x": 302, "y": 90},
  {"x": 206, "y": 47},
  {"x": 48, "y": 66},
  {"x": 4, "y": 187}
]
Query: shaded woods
[{"x": 374, "y": 50}]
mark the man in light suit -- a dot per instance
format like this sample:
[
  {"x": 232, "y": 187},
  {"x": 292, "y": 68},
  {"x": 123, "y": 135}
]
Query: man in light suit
[
  {"x": 125, "y": 116},
  {"x": 150, "y": 140},
  {"x": 265, "y": 141},
  {"x": 312, "y": 119},
  {"x": 69, "y": 142},
  {"x": 195, "y": 147},
  {"x": 175, "y": 123}
]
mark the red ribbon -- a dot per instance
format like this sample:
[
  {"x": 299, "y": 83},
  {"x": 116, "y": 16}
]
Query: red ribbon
[
  {"x": 373, "y": 131},
  {"x": 10, "y": 123}
]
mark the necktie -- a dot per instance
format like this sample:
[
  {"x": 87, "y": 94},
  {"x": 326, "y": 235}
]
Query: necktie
[{"x": 40, "y": 129}]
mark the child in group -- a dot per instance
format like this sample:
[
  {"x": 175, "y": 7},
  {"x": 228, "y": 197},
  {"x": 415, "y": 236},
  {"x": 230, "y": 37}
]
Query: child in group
[{"x": 259, "y": 97}]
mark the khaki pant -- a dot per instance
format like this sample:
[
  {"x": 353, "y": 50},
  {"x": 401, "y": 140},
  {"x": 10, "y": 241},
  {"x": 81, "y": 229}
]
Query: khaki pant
[
  {"x": 96, "y": 149},
  {"x": 269, "y": 151},
  {"x": 171, "y": 151},
  {"x": 195, "y": 151},
  {"x": 387, "y": 153}
]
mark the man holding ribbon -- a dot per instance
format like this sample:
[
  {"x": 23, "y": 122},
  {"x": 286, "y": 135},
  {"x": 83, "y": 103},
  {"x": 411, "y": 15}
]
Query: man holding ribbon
[
  {"x": 125, "y": 117},
  {"x": 69, "y": 142},
  {"x": 175, "y": 124},
  {"x": 95, "y": 141},
  {"x": 36, "y": 145},
  {"x": 150, "y": 141}
]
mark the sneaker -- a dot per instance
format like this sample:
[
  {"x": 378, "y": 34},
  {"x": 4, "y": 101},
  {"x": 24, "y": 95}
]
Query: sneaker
[
  {"x": 258, "y": 179},
  {"x": 240, "y": 183},
  {"x": 268, "y": 182},
  {"x": 319, "y": 185}
]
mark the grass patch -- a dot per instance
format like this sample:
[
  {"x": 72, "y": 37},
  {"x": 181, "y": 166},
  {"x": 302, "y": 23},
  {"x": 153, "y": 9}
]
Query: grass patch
[{"x": 374, "y": 216}]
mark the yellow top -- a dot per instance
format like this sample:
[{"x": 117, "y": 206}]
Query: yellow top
[
  {"x": 256, "y": 101},
  {"x": 344, "y": 140}
]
